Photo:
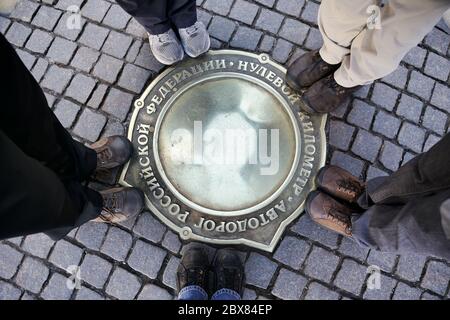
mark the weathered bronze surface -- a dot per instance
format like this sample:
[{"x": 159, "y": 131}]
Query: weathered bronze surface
[{"x": 223, "y": 152}]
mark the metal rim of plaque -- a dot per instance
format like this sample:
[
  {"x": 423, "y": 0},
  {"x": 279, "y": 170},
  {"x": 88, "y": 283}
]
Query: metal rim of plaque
[{"x": 250, "y": 201}]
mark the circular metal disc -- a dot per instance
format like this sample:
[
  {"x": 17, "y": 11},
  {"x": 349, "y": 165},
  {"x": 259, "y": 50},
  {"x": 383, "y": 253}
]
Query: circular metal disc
[{"x": 223, "y": 153}]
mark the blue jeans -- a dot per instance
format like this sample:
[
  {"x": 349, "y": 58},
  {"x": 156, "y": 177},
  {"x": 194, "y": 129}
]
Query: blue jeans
[{"x": 198, "y": 293}]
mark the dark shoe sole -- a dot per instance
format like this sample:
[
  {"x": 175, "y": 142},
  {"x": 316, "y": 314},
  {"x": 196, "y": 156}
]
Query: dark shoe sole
[{"x": 311, "y": 196}]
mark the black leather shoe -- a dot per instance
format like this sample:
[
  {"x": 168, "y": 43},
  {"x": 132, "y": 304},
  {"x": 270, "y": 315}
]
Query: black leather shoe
[
  {"x": 228, "y": 270},
  {"x": 120, "y": 204},
  {"x": 193, "y": 269},
  {"x": 308, "y": 69},
  {"x": 112, "y": 152}
]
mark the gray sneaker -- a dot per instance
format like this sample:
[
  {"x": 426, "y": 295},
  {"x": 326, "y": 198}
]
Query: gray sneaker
[
  {"x": 195, "y": 39},
  {"x": 166, "y": 47}
]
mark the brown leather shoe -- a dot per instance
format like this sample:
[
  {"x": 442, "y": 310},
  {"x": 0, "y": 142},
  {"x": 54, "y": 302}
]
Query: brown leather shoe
[
  {"x": 326, "y": 95},
  {"x": 112, "y": 152},
  {"x": 329, "y": 213},
  {"x": 340, "y": 183},
  {"x": 308, "y": 69}
]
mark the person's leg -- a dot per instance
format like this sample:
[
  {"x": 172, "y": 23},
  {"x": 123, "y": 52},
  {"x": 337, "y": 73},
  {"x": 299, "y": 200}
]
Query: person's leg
[
  {"x": 192, "y": 293},
  {"x": 193, "y": 275},
  {"x": 229, "y": 275},
  {"x": 377, "y": 52},
  {"x": 182, "y": 13}
]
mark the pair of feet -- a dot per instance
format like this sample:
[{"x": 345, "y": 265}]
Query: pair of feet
[
  {"x": 195, "y": 270},
  {"x": 311, "y": 73},
  {"x": 119, "y": 204},
  {"x": 334, "y": 204},
  {"x": 168, "y": 49}
]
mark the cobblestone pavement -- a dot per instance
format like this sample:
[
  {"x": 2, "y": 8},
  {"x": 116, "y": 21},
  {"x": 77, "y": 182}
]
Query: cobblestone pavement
[{"x": 91, "y": 77}]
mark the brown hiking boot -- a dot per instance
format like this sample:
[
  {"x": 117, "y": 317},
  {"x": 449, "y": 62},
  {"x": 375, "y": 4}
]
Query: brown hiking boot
[
  {"x": 340, "y": 183},
  {"x": 329, "y": 213},
  {"x": 112, "y": 152},
  {"x": 307, "y": 70},
  {"x": 326, "y": 95},
  {"x": 120, "y": 204}
]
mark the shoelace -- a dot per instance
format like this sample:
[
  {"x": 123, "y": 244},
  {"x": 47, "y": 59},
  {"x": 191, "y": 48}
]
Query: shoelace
[
  {"x": 104, "y": 155},
  {"x": 110, "y": 206},
  {"x": 164, "y": 38},
  {"x": 340, "y": 218},
  {"x": 192, "y": 29},
  {"x": 349, "y": 187}
]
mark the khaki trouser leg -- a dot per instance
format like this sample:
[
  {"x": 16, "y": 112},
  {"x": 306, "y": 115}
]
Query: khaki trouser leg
[{"x": 370, "y": 54}]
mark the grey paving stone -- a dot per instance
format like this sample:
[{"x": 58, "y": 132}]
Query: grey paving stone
[
  {"x": 64, "y": 4},
  {"x": 391, "y": 156},
  {"x": 407, "y": 157},
  {"x": 50, "y": 99},
  {"x": 148, "y": 227},
  {"x": 24, "y": 10},
  {"x": 39, "y": 69},
  {"x": 27, "y": 58},
  {"x": 134, "y": 51},
  {"x": 353, "y": 283},
  {"x": 437, "y": 66},
  {"x": 98, "y": 95},
  {"x": 366, "y": 145},
  {"x": 314, "y": 40},
  {"x": 65, "y": 254},
  {"x": 95, "y": 9},
  {"x": 116, "y": 17},
  {"x": 310, "y": 12},
  {"x": 268, "y": 3},
  {"x": 81, "y": 88},
  {"x": 95, "y": 270},
  {"x": 282, "y": 50},
  {"x": 249, "y": 295},
  {"x": 350, "y": 248},
  {"x": 38, "y": 245},
  {"x": 349, "y": 163},
  {"x": 244, "y": 11},
  {"x": 91, "y": 234},
  {"x": 438, "y": 40},
  {"x": 4, "y": 24},
  {"x": 61, "y": 50},
  {"x": 170, "y": 273},
  {"x": 386, "y": 124},
  {"x": 384, "y": 96},
  {"x": 221, "y": 7},
  {"x": 437, "y": 277},
  {"x": 416, "y": 57},
  {"x": 317, "y": 291},
  {"x": 88, "y": 294},
  {"x": 117, "y": 44},
  {"x": 269, "y": 20},
  {"x": 117, "y": 243},
  {"x": 66, "y": 112},
  {"x": 420, "y": 85},
  {"x": 16, "y": 240},
  {"x": 114, "y": 128},
  {"x": 123, "y": 285},
  {"x": 374, "y": 172},
  {"x": 57, "y": 288},
  {"x": 153, "y": 292},
  {"x": 289, "y": 285},
  {"x": 146, "y": 259},
  {"x": 410, "y": 266},
  {"x": 93, "y": 36},
  {"x": 363, "y": 92},
  {"x": 171, "y": 242},
  {"x": 57, "y": 78},
  {"x": 89, "y": 125},
  {"x": 307, "y": 228},
  {"x": 136, "y": 29},
  {"x": 246, "y": 38},
  {"x": 107, "y": 68},
  {"x": 32, "y": 275},
  {"x": 441, "y": 97},
  {"x": 292, "y": 252},
  {"x": 85, "y": 58},
  {"x": 361, "y": 114},
  {"x": 10, "y": 260},
  {"x": 8, "y": 291},
  {"x": 321, "y": 264},
  {"x": 434, "y": 120},
  {"x": 46, "y": 18},
  {"x": 259, "y": 270},
  {"x": 397, "y": 78},
  {"x": 406, "y": 292},
  {"x": 410, "y": 108},
  {"x": 294, "y": 31},
  {"x": 204, "y": 17},
  {"x": 412, "y": 137},
  {"x": 431, "y": 141},
  {"x": 39, "y": 41},
  {"x": 17, "y": 34},
  {"x": 134, "y": 78},
  {"x": 267, "y": 43},
  {"x": 28, "y": 296},
  {"x": 69, "y": 29},
  {"x": 290, "y": 7},
  {"x": 146, "y": 59},
  {"x": 385, "y": 291},
  {"x": 221, "y": 28},
  {"x": 429, "y": 296},
  {"x": 384, "y": 260}
]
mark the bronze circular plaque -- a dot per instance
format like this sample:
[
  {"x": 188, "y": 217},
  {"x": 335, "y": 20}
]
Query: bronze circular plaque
[{"x": 223, "y": 152}]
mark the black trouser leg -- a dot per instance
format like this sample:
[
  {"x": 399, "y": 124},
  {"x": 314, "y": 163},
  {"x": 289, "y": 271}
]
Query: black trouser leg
[
  {"x": 33, "y": 135},
  {"x": 158, "y": 16}
]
